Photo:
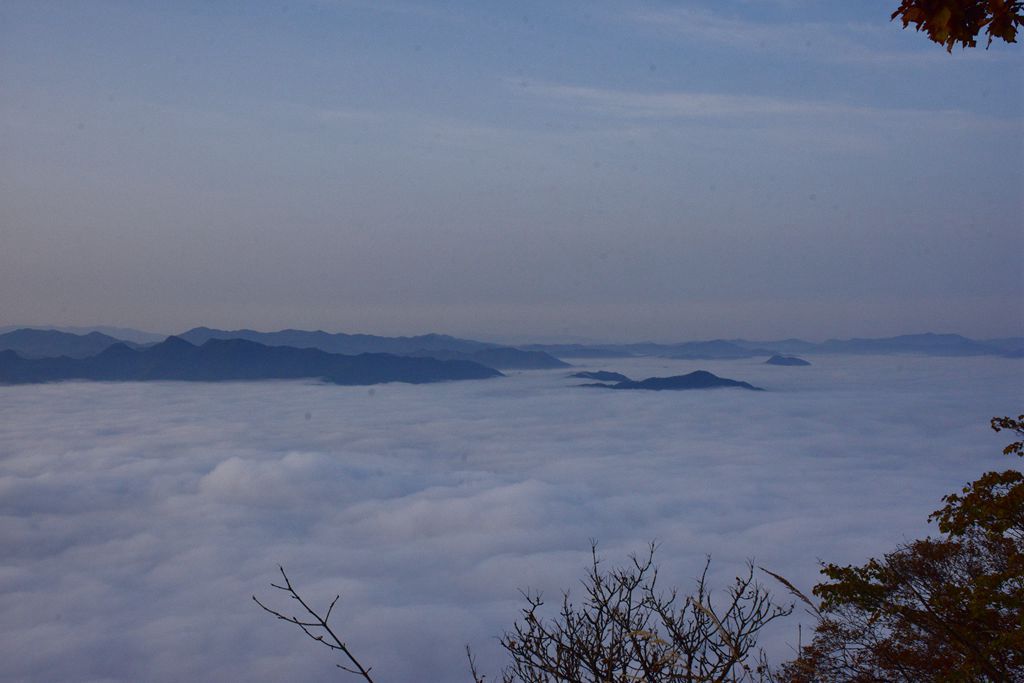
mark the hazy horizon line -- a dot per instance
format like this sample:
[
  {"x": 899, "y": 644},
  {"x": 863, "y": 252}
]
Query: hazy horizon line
[{"x": 501, "y": 339}]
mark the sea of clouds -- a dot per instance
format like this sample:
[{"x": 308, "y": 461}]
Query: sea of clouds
[{"x": 137, "y": 519}]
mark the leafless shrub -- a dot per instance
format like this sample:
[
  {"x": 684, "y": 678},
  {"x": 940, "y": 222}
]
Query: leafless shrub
[{"x": 625, "y": 629}]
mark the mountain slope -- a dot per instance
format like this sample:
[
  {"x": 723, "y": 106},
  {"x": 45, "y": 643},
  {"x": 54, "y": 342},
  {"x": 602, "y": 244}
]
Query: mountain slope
[
  {"x": 34, "y": 343},
  {"x": 235, "y": 359},
  {"x": 929, "y": 344},
  {"x": 340, "y": 342},
  {"x": 700, "y": 379},
  {"x": 500, "y": 358},
  {"x": 791, "y": 361}
]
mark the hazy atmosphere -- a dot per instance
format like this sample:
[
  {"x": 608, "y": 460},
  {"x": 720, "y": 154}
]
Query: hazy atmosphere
[
  {"x": 422, "y": 299},
  {"x": 610, "y": 170}
]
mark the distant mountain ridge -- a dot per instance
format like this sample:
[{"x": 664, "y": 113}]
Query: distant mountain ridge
[
  {"x": 578, "y": 350},
  {"x": 32, "y": 343},
  {"x": 927, "y": 344},
  {"x": 440, "y": 346},
  {"x": 500, "y": 358},
  {"x": 235, "y": 359},
  {"x": 715, "y": 349},
  {"x": 119, "y": 333},
  {"x": 339, "y": 342}
]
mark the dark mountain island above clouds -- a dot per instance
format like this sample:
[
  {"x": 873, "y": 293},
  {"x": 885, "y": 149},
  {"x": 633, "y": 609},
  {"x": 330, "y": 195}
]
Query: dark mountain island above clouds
[
  {"x": 235, "y": 359},
  {"x": 601, "y": 376},
  {"x": 33, "y": 343},
  {"x": 700, "y": 379},
  {"x": 786, "y": 360}
]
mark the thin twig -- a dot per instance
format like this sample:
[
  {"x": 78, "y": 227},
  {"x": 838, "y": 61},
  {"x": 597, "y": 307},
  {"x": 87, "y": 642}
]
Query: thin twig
[{"x": 317, "y": 623}]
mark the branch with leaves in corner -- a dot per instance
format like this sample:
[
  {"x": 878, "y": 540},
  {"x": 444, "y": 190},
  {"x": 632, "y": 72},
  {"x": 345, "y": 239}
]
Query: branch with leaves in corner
[
  {"x": 948, "y": 22},
  {"x": 935, "y": 609}
]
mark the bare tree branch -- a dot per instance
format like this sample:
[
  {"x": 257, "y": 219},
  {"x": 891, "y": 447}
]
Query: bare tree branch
[
  {"x": 328, "y": 638},
  {"x": 628, "y": 630}
]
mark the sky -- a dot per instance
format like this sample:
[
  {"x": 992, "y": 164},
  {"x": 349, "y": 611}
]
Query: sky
[
  {"x": 138, "y": 519},
  {"x": 530, "y": 170}
]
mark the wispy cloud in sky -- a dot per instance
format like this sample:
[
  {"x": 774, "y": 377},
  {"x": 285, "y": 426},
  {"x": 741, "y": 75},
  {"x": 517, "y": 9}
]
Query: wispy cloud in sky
[
  {"x": 626, "y": 104},
  {"x": 689, "y": 104},
  {"x": 855, "y": 42}
]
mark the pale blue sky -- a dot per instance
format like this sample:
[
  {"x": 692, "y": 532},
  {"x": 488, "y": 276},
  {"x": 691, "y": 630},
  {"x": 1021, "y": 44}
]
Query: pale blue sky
[{"x": 616, "y": 170}]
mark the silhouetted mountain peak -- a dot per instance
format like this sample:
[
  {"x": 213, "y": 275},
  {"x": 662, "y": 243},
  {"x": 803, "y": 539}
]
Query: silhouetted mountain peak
[
  {"x": 233, "y": 360},
  {"x": 118, "y": 349},
  {"x": 698, "y": 379},
  {"x": 35, "y": 343},
  {"x": 173, "y": 342},
  {"x": 340, "y": 342}
]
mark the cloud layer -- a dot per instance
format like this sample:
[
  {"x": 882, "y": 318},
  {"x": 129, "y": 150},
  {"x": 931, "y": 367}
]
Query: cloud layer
[{"x": 137, "y": 519}]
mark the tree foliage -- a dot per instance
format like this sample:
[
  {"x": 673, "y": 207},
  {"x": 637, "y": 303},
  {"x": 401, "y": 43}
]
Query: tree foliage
[
  {"x": 947, "y": 609},
  {"x": 949, "y": 22}
]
